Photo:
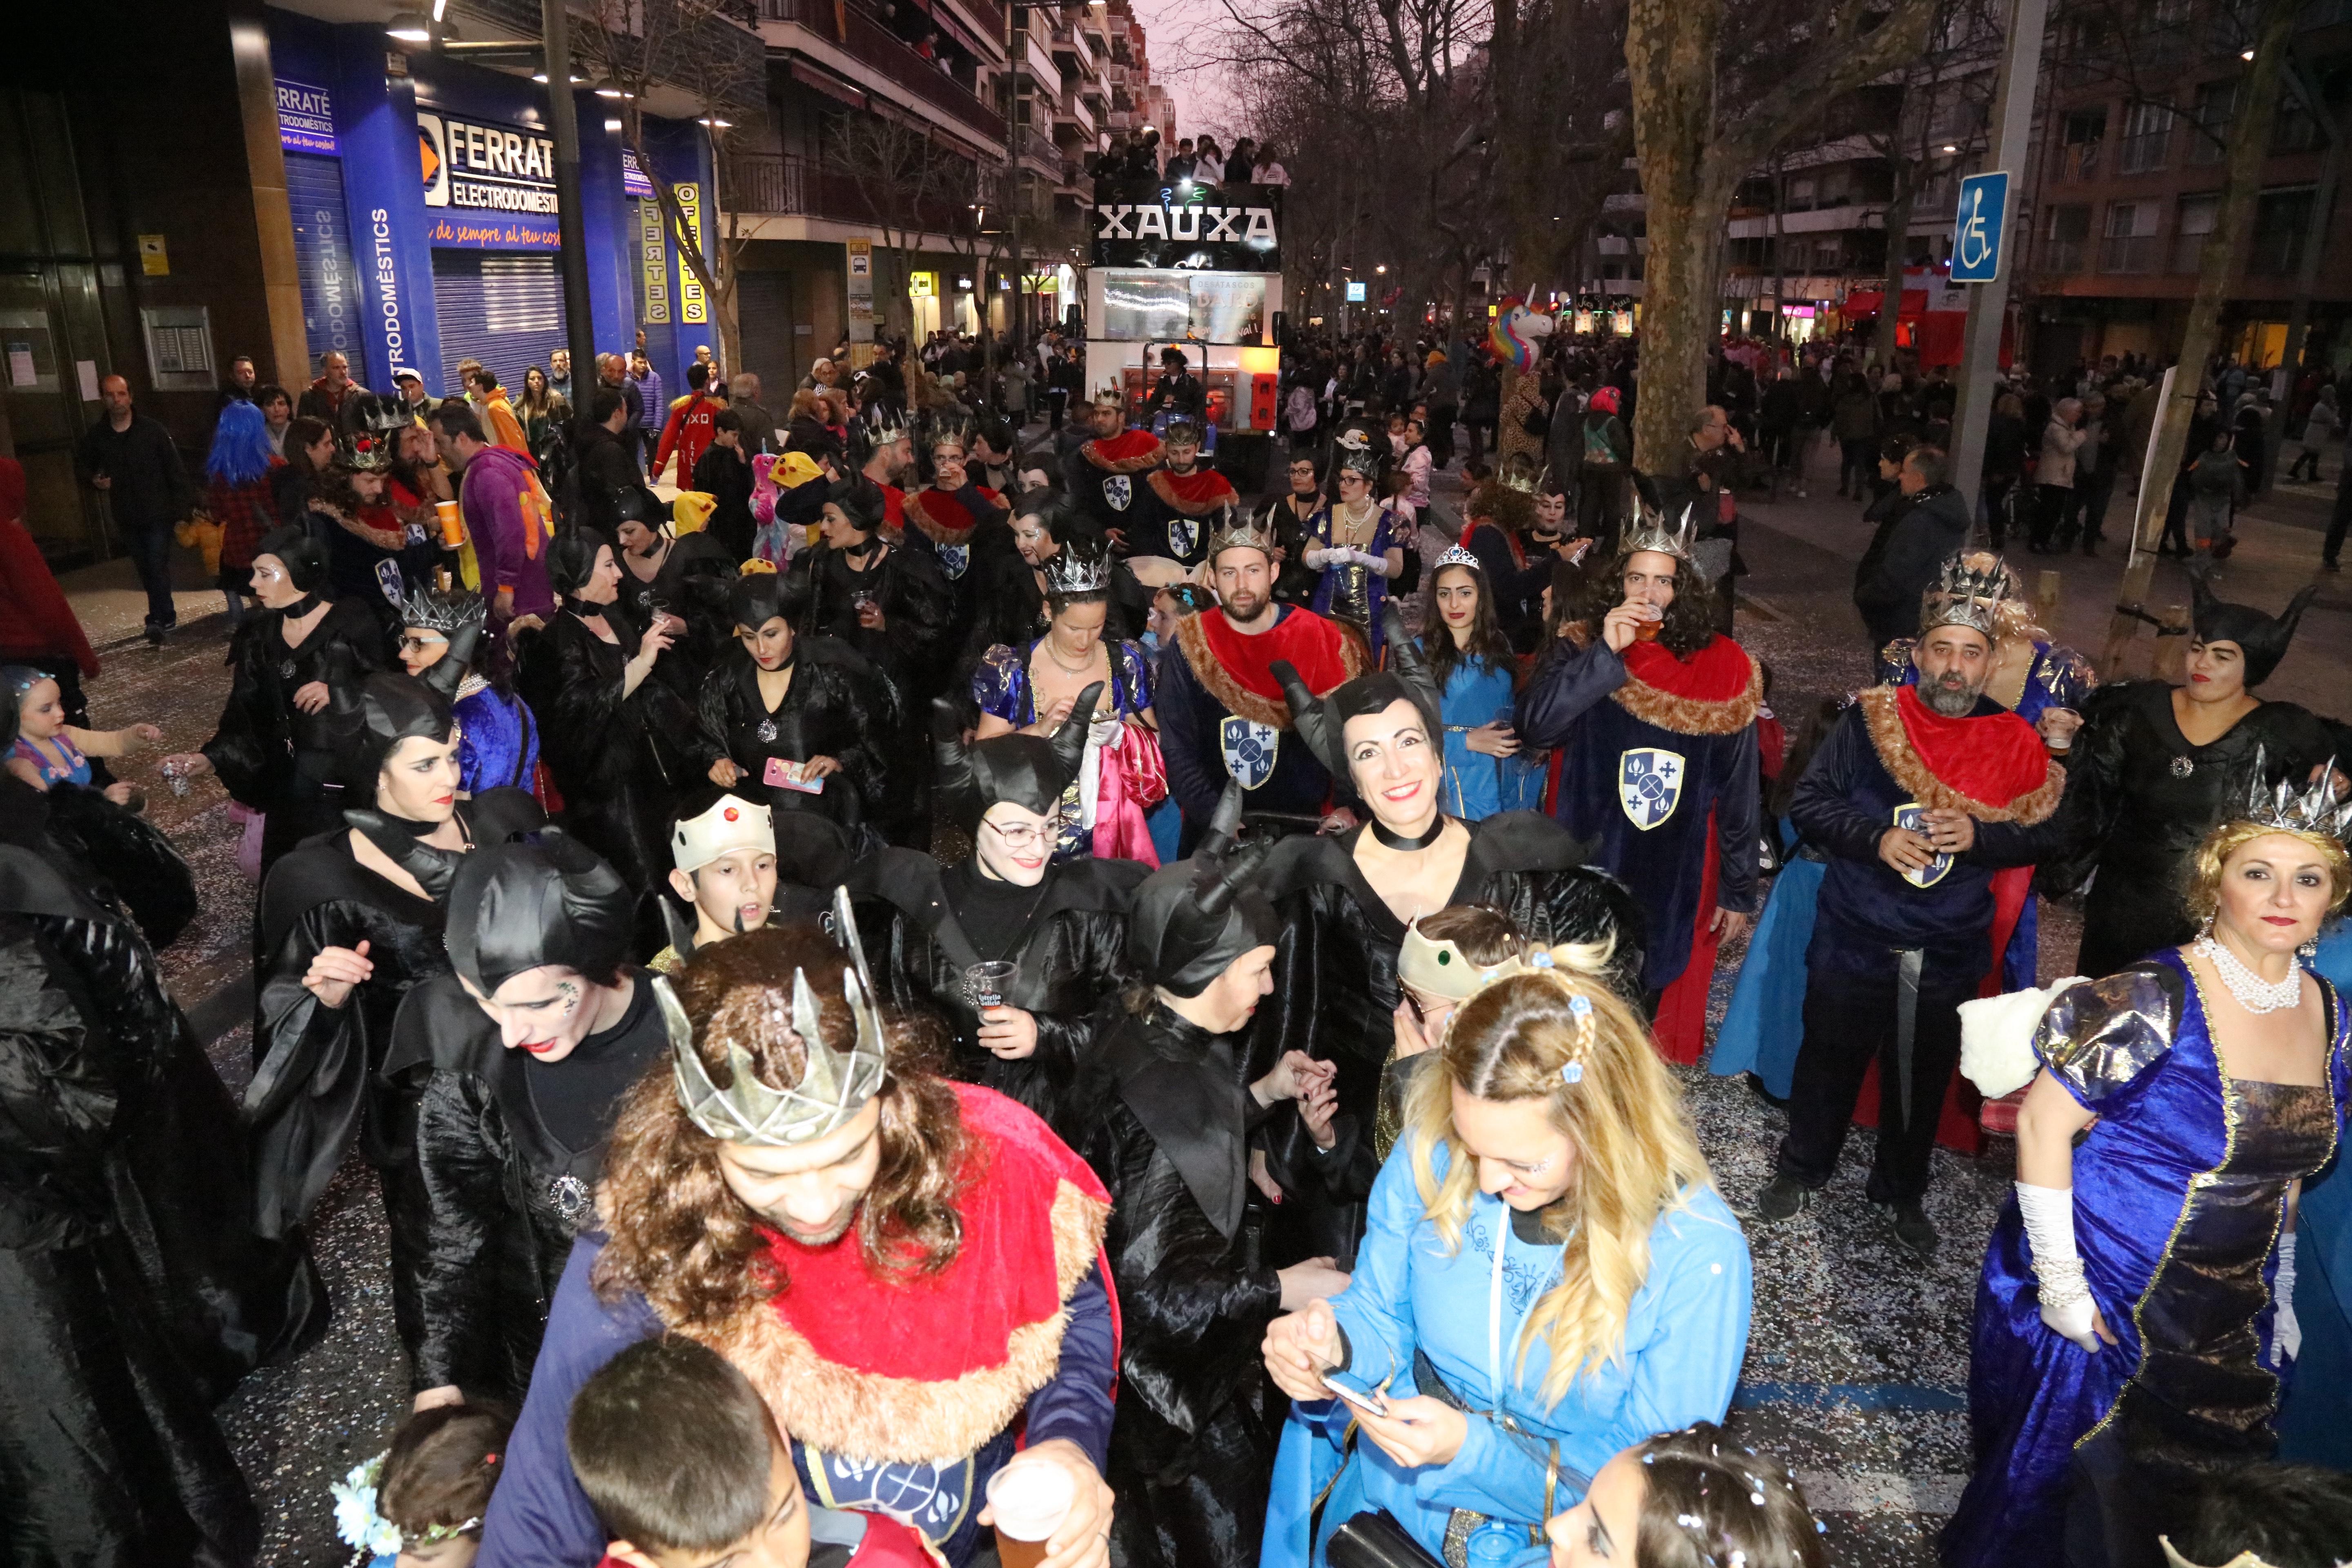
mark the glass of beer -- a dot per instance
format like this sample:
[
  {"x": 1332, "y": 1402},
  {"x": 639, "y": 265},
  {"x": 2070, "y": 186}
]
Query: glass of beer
[{"x": 1028, "y": 1502}]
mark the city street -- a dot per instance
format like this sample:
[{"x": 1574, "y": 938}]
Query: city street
[{"x": 1857, "y": 1370}]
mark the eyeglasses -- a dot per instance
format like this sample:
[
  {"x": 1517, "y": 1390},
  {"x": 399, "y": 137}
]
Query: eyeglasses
[
  {"x": 1022, "y": 838},
  {"x": 413, "y": 644}
]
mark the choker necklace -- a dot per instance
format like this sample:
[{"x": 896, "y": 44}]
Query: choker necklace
[
  {"x": 2253, "y": 993},
  {"x": 1407, "y": 842},
  {"x": 301, "y": 606}
]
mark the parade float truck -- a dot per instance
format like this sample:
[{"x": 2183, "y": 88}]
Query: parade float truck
[{"x": 1197, "y": 268}]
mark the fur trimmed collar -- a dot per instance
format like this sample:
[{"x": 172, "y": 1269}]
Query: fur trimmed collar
[
  {"x": 1196, "y": 494},
  {"x": 1716, "y": 691},
  {"x": 944, "y": 518},
  {"x": 1324, "y": 656},
  {"x": 1990, "y": 765},
  {"x": 1128, "y": 452}
]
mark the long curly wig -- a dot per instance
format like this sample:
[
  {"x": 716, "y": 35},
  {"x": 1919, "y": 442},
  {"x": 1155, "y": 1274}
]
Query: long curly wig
[
  {"x": 1689, "y": 621},
  {"x": 679, "y": 1237}
]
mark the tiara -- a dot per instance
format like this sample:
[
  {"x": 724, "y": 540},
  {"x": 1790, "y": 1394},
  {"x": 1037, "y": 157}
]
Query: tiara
[
  {"x": 1242, "y": 532},
  {"x": 1071, "y": 571},
  {"x": 834, "y": 1086},
  {"x": 2316, "y": 812},
  {"x": 443, "y": 612},
  {"x": 1441, "y": 968},
  {"x": 1458, "y": 555},
  {"x": 1651, "y": 532},
  {"x": 1965, "y": 596}
]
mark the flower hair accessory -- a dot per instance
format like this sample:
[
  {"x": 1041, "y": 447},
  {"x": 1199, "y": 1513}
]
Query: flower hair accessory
[
  {"x": 1579, "y": 1006},
  {"x": 368, "y": 1532}
]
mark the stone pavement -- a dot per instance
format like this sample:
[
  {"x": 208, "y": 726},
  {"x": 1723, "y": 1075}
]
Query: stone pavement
[{"x": 1858, "y": 1357}]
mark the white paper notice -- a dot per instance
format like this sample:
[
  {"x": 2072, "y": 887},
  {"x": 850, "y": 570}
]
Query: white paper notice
[
  {"x": 88, "y": 370},
  {"x": 20, "y": 365}
]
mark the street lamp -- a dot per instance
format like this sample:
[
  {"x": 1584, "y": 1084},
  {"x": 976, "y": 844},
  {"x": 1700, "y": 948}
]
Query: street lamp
[{"x": 410, "y": 27}]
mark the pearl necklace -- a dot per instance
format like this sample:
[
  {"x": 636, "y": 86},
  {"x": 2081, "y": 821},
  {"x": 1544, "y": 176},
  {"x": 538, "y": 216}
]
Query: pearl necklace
[{"x": 2253, "y": 993}]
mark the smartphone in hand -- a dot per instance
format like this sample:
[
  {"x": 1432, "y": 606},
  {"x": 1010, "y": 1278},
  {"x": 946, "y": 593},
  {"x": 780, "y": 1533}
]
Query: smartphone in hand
[{"x": 1357, "y": 1394}]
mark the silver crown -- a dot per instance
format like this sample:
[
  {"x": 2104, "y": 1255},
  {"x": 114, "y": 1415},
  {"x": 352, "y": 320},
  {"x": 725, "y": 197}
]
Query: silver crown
[
  {"x": 1073, "y": 570},
  {"x": 1522, "y": 476},
  {"x": 443, "y": 612},
  {"x": 2320, "y": 810},
  {"x": 1241, "y": 532},
  {"x": 834, "y": 1085},
  {"x": 1652, "y": 532},
  {"x": 1967, "y": 592}
]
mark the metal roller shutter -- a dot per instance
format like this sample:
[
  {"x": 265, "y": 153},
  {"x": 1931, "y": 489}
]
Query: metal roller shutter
[
  {"x": 764, "y": 302},
  {"x": 506, "y": 311},
  {"x": 322, "y": 256}
]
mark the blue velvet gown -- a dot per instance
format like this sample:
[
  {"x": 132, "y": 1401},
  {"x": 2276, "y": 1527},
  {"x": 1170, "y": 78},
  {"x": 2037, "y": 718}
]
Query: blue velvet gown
[
  {"x": 497, "y": 740},
  {"x": 1477, "y": 785},
  {"x": 2180, "y": 1192}
]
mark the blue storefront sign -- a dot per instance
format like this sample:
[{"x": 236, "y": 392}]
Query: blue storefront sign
[
  {"x": 306, "y": 118},
  {"x": 488, "y": 187}
]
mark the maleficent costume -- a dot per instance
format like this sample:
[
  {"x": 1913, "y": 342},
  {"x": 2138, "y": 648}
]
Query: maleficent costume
[
  {"x": 134, "y": 1291},
  {"x": 1162, "y": 1115},
  {"x": 511, "y": 1147},
  {"x": 269, "y": 754},
  {"x": 1335, "y": 986},
  {"x": 1066, "y": 933},
  {"x": 316, "y": 1089},
  {"x": 2139, "y": 797}
]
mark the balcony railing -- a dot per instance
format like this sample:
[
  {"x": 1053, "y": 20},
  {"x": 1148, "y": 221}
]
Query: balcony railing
[
  {"x": 871, "y": 44},
  {"x": 792, "y": 186},
  {"x": 2064, "y": 255},
  {"x": 2079, "y": 162}
]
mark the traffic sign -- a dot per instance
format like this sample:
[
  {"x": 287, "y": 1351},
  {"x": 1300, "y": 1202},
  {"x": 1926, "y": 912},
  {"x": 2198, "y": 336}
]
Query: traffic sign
[{"x": 1975, "y": 238}]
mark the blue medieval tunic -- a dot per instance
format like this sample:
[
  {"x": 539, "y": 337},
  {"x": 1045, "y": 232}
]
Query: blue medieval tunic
[
  {"x": 1477, "y": 785},
  {"x": 2180, "y": 1190},
  {"x": 1419, "y": 1314},
  {"x": 1346, "y": 592},
  {"x": 1659, "y": 774}
]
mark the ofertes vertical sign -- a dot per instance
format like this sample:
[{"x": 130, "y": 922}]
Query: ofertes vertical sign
[
  {"x": 692, "y": 307},
  {"x": 653, "y": 254},
  {"x": 861, "y": 291}
]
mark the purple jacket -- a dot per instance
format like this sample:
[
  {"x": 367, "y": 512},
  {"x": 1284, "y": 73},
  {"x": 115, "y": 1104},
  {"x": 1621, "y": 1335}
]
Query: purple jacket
[
  {"x": 509, "y": 538},
  {"x": 652, "y": 409}
]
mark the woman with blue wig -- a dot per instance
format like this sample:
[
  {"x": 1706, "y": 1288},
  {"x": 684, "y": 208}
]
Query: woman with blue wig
[{"x": 236, "y": 496}]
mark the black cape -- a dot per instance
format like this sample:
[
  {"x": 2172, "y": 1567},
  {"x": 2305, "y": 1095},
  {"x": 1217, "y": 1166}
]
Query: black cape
[
  {"x": 1072, "y": 953},
  {"x": 837, "y": 706},
  {"x": 506, "y": 1196},
  {"x": 1162, "y": 1117}
]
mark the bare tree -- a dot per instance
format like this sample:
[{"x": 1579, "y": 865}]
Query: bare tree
[
  {"x": 696, "y": 46},
  {"x": 910, "y": 184},
  {"x": 1702, "y": 119}
]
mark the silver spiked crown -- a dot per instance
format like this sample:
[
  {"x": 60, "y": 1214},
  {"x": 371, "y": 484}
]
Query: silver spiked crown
[
  {"x": 835, "y": 1084},
  {"x": 443, "y": 612},
  {"x": 1967, "y": 592},
  {"x": 1242, "y": 531},
  {"x": 1650, "y": 531},
  {"x": 1075, "y": 571},
  {"x": 2318, "y": 810}
]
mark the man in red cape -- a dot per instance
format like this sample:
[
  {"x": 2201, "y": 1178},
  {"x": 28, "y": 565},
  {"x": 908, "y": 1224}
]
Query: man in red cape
[
  {"x": 1222, "y": 711},
  {"x": 1183, "y": 504},
  {"x": 1654, "y": 715},
  {"x": 909, "y": 1270},
  {"x": 1920, "y": 795},
  {"x": 1104, "y": 475}
]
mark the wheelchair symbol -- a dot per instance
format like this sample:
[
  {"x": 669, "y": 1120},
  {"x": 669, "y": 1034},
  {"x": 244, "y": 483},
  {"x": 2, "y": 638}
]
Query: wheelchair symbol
[{"x": 1976, "y": 241}]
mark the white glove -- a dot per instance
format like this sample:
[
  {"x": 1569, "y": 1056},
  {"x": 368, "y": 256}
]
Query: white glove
[
  {"x": 2286, "y": 1334},
  {"x": 1317, "y": 556},
  {"x": 2066, "y": 1304},
  {"x": 1378, "y": 564}
]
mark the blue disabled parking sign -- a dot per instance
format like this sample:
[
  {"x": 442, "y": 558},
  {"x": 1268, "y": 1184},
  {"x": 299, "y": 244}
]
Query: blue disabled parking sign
[{"x": 1975, "y": 240}]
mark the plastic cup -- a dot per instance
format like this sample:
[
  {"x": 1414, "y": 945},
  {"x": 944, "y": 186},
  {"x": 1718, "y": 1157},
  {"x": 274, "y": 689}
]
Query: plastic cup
[
  {"x": 986, "y": 982},
  {"x": 453, "y": 526},
  {"x": 1028, "y": 1503},
  {"x": 1647, "y": 631}
]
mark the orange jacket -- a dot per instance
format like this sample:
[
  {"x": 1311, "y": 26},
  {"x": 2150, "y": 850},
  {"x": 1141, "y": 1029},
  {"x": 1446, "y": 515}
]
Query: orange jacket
[{"x": 688, "y": 433}]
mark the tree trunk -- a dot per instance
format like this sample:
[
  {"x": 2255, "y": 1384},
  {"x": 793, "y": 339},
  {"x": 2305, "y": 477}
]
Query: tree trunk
[
  {"x": 1670, "y": 50},
  {"x": 2223, "y": 256},
  {"x": 1898, "y": 228}
]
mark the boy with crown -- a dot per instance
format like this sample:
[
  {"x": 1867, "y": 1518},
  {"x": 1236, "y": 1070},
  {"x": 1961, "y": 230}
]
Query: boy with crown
[
  {"x": 1221, "y": 707},
  {"x": 909, "y": 1271},
  {"x": 1653, "y": 714},
  {"x": 1104, "y": 475},
  {"x": 1919, "y": 795}
]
